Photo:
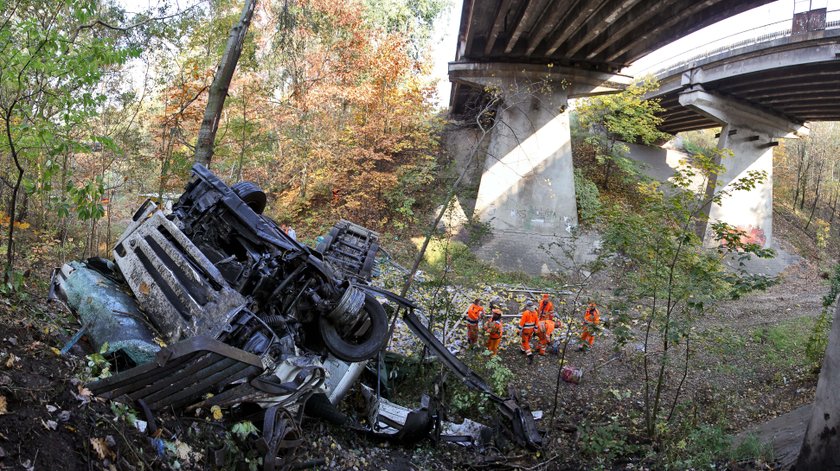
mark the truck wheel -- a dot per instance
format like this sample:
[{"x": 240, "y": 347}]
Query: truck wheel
[
  {"x": 251, "y": 194},
  {"x": 370, "y": 261},
  {"x": 368, "y": 344},
  {"x": 319, "y": 406}
]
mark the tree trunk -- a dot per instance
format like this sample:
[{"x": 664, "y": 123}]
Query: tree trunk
[
  {"x": 10, "y": 245},
  {"x": 221, "y": 83},
  {"x": 816, "y": 194},
  {"x": 798, "y": 175},
  {"x": 804, "y": 185},
  {"x": 833, "y": 207}
]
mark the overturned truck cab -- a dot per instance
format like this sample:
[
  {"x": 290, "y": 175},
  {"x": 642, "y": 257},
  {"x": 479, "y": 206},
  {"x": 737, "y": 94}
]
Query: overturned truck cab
[{"x": 248, "y": 314}]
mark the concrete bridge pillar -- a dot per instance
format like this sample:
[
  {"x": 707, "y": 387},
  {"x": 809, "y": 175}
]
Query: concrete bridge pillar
[
  {"x": 749, "y": 133},
  {"x": 527, "y": 191}
]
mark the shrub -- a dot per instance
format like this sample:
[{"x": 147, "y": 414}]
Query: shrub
[
  {"x": 588, "y": 198},
  {"x": 606, "y": 443},
  {"x": 818, "y": 340}
]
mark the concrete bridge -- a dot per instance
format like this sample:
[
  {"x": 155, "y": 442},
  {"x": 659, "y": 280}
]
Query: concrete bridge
[
  {"x": 527, "y": 58},
  {"x": 757, "y": 90}
]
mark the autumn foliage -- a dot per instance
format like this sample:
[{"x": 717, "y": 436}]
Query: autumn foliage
[
  {"x": 355, "y": 133},
  {"x": 330, "y": 111}
]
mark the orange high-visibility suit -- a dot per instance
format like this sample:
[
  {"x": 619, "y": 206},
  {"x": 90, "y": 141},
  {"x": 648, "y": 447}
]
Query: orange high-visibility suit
[
  {"x": 545, "y": 325},
  {"x": 474, "y": 313},
  {"x": 546, "y": 308},
  {"x": 494, "y": 330},
  {"x": 527, "y": 324},
  {"x": 591, "y": 318}
]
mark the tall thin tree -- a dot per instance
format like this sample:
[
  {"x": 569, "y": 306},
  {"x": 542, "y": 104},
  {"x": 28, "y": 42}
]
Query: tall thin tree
[{"x": 220, "y": 85}]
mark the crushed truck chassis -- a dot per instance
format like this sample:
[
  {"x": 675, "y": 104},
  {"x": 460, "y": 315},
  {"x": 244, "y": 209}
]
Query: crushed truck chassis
[{"x": 251, "y": 315}]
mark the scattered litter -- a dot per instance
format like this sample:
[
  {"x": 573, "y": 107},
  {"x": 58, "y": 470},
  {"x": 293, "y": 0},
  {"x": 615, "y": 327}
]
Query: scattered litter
[
  {"x": 50, "y": 424},
  {"x": 572, "y": 375},
  {"x": 158, "y": 445},
  {"x": 140, "y": 425},
  {"x": 101, "y": 448}
]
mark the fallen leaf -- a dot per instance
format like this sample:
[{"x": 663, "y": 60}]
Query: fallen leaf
[
  {"x": 3, "y": 405},
  {"x": 217, "y": 412},
  {"x": 144, "y": 288},
  {"x": 101, "y": 448},
  {"x": 84, "y": 394},
  {"x": 10, "y": 362},
  {"x": 55, "y": 351}
]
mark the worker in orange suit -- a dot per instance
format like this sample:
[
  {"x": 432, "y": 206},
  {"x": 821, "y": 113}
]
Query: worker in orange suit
[
  {"x": 494, "y": 331},
  {"x": 591, "y": 319},
  {"x": 474, "y": 315},
  {"x": 545, "y": 324},
  {"x": 527, "y": 325},
  {"x": 545, "y": 310}
]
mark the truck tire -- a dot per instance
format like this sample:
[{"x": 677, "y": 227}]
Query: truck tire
[
  {"x": 251, "y": 194},
  {"x": 368, "y": 345},
  {"x": 319, "y": 406},
  {"x": 370, "y": 261}
]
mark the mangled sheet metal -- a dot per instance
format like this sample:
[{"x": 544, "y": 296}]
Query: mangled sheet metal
[
  {"x": 109, "y": 313},
  {"x": 250, "y": 315}
]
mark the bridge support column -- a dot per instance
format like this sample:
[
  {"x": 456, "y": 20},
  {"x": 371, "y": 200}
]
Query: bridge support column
[
  {"x": 749, "y": 133},
  {"x": 527, "y": 191}
]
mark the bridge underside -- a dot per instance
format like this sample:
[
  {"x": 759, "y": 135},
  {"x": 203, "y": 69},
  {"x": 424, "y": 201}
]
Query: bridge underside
[
  {"x": 755, "y": 100},
  {"x": 598, "y": 35},
  {"x": 806, "y": 89},
  {"x": 799, "y": 93},
  {"x": 601, "y": 33}
]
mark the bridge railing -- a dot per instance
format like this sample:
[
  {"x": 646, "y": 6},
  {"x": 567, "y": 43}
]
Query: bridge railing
[{"x": 743, "y": 39}]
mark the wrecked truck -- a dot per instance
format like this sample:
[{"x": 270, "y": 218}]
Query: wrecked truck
[{"x": 214, "y": 305}]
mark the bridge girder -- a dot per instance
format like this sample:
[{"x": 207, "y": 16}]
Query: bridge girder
[
  {"x": 797, "y": 80},
  {"x": 593, "y": 34}
]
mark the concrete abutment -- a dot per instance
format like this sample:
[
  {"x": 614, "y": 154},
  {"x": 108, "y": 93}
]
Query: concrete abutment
[
  {"x": 749, "y": 133},
  {"x": 526, "y": 191}
]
